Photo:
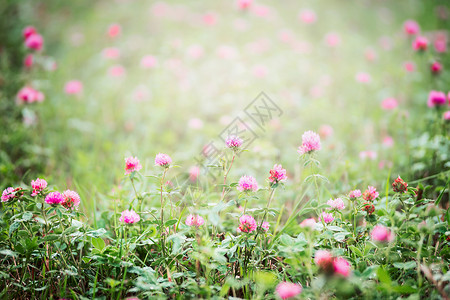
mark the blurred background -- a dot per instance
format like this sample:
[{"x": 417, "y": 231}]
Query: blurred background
[{"x": 130, "y": 77}]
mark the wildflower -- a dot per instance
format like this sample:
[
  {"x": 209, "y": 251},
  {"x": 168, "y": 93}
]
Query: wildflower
[
  {"x": 363, "y": 77},
  {"x": 341, "y": 266},
  {"x": 34, "y": 41},
  {"x": 244, "y": 4},
  {"x": 233, "y": 142},
  {"x": 323, "y": 259},
  {"x": 409, "y": 66},
  {"x": 265, "y": 226},
  {"x": 116, "y": 71},
  {"x": 132, "y": 164},
  {"x": 114, "y": 30},
  {"x": 28, "y": 61},
  {"x": 194, "y": 220},
  {"x": 148, "y": 61},
  {"x": 29, "y": 30},
  {"x": 389, "y": 103},
  {"x": 247, "y": 183},
  {"x": 436, "y": 67},
  {"x": 8, "y": 194},
  {"x": 447, "y": 115},
  {"x": 310, "y": 143},
  {"x": 38, "y": 185},
  {"x": 73, "y": 87},
  {"x": 129, "y": 217},
  {"x": 436, "y": 98},
  {"x": 325, "y": 131},
  {"x": 71, "y": 199},
  {"x": 337, "y": 204},
  {"x": 399, "y": 185},
  {"x": 308, "y": 16},
  {"x": 420, "y": 43},
  {"x": 411, "y": 27},
  {"x": 382, "y": 234},
  {"x": 163, "y": 160},
  {"x": 354, "y": 194},
  {"x": 194, "y": 172},
  {"x": 286, "y": 290},
  {"x": 310, "y": 222},
  {"x": 370, "y": 194},
  {"x": 368, "y": 207},
  {"x": 111, "y": 53},
  {"x": 54, "y": 198},
  {"x": 277, "y": 174},
  {"x": 326, "y": 217},
  {"x": 29, "y": 95},
  {"x": 247, "y": 224}
]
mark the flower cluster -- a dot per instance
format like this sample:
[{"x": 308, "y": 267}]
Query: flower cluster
[
  {"x": 247, "y": 183},
  {"x": 132, "y": 164},
  {"x": 381, "y": 234},
  {"x": 129, "y": 217},
  {"x": 277, "y": 174},
  {"x": 163, "y": 160},
  {"x": 337, "y": 204},
  {"x": 310, "y": 143},
  {"x": 54, "y": 198},
  {"x": 38, "y": 186},
  {"x": 436, "y": 98},
  {"x": 330, "y": 264},
  {"x": 399, "y": 185},
  {"x": 194, "y": 220},
  {"x": 71, "y": 199},
  {"x": 370, "y": 194},
  {"x": 29, "y": 95},
  {"x": 326, "y": 217},
  {"x": 234, "y": 142},
  {"x": 354, "y": 194},
  {"x": 247, "y": 224},
  {"x": 8, "y": 194},
  {"x": 286, "y": 290},
  {"x": 33, "y": 40}
]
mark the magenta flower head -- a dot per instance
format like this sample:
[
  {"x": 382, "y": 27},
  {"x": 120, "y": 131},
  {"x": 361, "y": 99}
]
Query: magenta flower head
[
  {"x": 310, "y": 143},
  {"x": 341, "y": 266},
  {"x": 308, "y": 223},
  {"x": 399, "y": 185},
  {"x": 411, "y": 27},
  {"x": 129, "y": 217},
  {"x": 132, "y": 164},
  {"x": 337, "y": 204},
  {"x": 370, "y": 194},
  {"x": 247, "y": 183},
  {"x": 34, "y": 41},
  {"x": 326, "y": 217},
  {"x": 286, "y": 290},
  {"x": 8, "y": 194},
  {"x": 247, "y": 224},
  {"x": 234, "y": 142},
  {"x": 29, "y": 30},
  {"x": 265, "y": 226},
  {"x": 194, "y": 220},
  {"x": 436, "y": 67},
  {"x": 420, "y": 43},
  {"x": 71, "y": 199},
  {"x": 447, "y": 115},
  {"x": 323, "y": 259},
  {"x": 382, "y": 234},
  {"x": 54, "y": 198},
  {"x": 38, "y": 186},
  {"x": 163, "y": 160},
  {"x": 436, "y": 98},
  {"x": 354, "y": 194},
  {"x": 277, "y": 174}
]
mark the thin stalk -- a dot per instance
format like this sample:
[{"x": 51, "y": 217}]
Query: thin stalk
[{"x": 225, "y": 177}]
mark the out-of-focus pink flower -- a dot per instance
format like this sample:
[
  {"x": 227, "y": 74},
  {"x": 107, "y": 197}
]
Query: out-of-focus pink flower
[
  {"x": 389, "y": 103},
  {"x": 116, "y": 71},
  {"x": 132, "y": 164},
  {"x": 326, "y": 217},
  {"x": 325, "y": 131},
  {"x": 35, "y": 41},
  {"x": 260, "y": 71},
  {"x": 447, "y": 115},
  {"x": 388, "y": 141},
  {"x": 38, "y": 186},
  {"x": 332, "y": 39},
  {"x": 54, "y": 198},
  {"x": 277, "y": 174},
  {"x": 411, "y": 27},
  {"x": 370, "y": 54},
  {"x": 260, "y": 10},
  {"x": 73, "y": 87},
  {"x": 372, "y": 155},
  {"x": 148, "y": 62},
  {"x": 308, "y": 16},
  {"x": 436, "y": 98},
  {"x": 363, "y": 77},
  {"x": 227, "y": 52},
  {"x": 194, "y": 220},
  {"x": 409, "y": 66},
  {"x": 337, "y": 204},
  {"x": 286, "y": 290},
  {"x": 420, "y": 43},
  {"x": 29, "y": 30},
  {"x": 310, "y": 222},
  {"x": 310, "y": 143},
  {"x": 114, "y": 30},
  {"x": 163, "y": 160},
  {"x": 233, "y": 142},
  {"x": 370, "y": 194},
  {"x": 436, "y": 67},
  {"x": 244, "y": 4},
  {"x": 28, "y": 61},
  {"x": 111, "y": 53},
  {"x": 323, "y": 258},
  {"x": 129, "y": 217},
  {"x": 71, "y": 199},
  {"x": 382, "y": 234},
  {"x": 209, "y": 18},
  {"x": 247, "y": 183},
  {"x": 194, "y": 172},
  {"x": 195, "y": 123},
  {"x": 354, "y": 194},
  {"x": 265, "y": 226},
  {"x": 195, "y": 51},
  {"x": 341, "y": 266},
  {"x": 247, "y": 224},
  {"x": 29, "y": 95},
  {"x": 440, "y": 43},
  {"x": 8, "y": 194}
]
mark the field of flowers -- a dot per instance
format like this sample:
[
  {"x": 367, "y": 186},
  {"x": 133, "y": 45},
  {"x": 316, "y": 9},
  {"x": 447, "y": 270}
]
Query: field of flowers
[{"x": 241, "y": 149}]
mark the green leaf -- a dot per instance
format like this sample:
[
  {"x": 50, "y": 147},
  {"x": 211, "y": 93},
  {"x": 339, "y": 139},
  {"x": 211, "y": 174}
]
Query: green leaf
[
  {"x": 439, "y": 198},
  {"x": 404, "y": 289},
  {"x": 14, "y": 226},
  {"x": 170, "y": 223},
  {"x": 8, "y": 252},
  {"x": 383, "y": 276},
  {"x": 407, "y": 265},
  {"x": 27, "y": 215},
  {"x": 356, "y": 251},
  {"x": 98, "y": 243},
  {"x": 50, "y": 237}
]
